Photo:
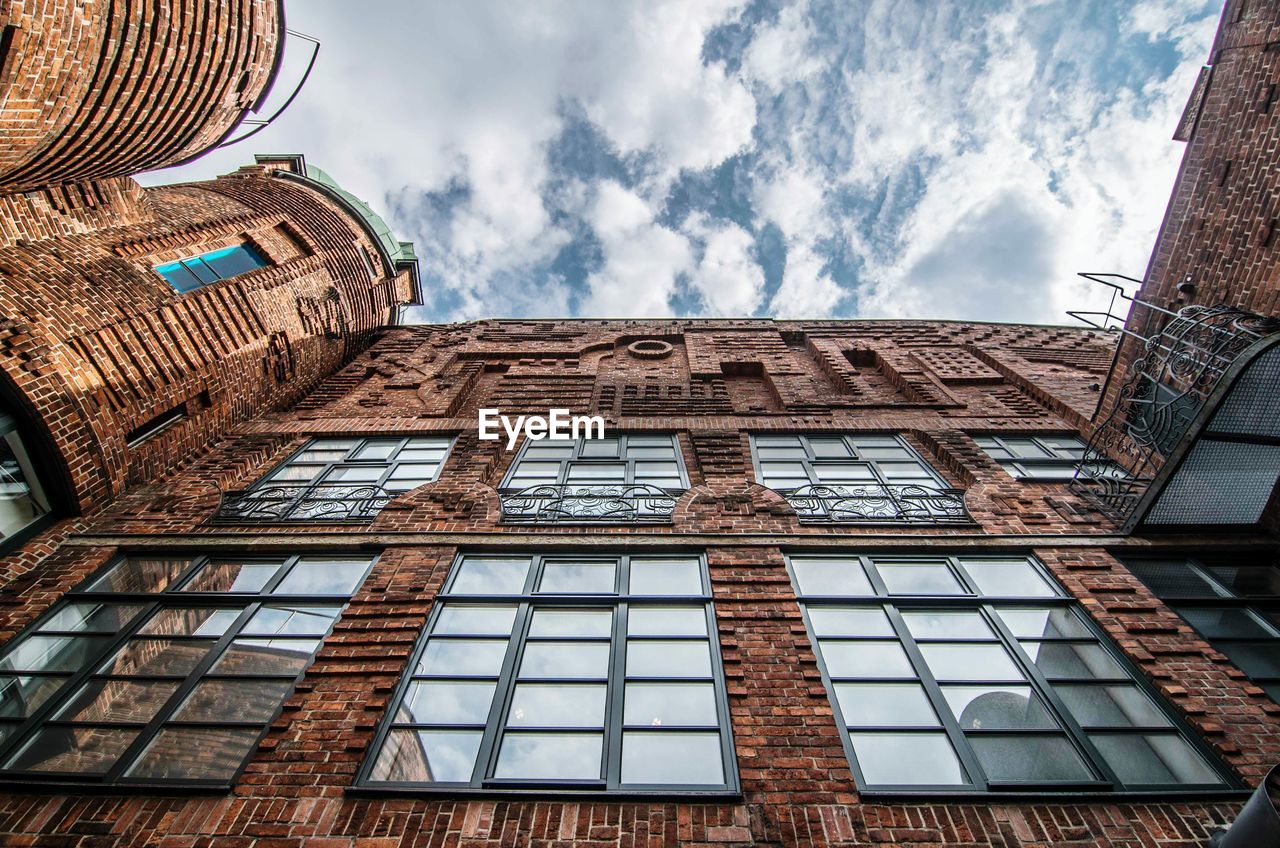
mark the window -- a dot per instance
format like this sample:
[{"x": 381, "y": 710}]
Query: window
[
  {"x": 569, "y": 672},
  {"x": 624, "y": 478},
  {"x": 339, "y": 479},
  {"x": 165, "y": 669},
  {"x": 189, "y": 274},
  {"x": 1233, "y": 602},
  {"x": 855, "y": 478},
  {"x": 24, "y": 508},
  {"x": 977, "y": 673},
  {"x": 1043, "y": 457}
]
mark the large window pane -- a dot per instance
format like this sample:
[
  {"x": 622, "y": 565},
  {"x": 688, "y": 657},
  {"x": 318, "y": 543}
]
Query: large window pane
[
  {"x": 672, "y": 758},
  {"x": 550, "y": 756},
  {"x": 1029, "y": 759},
  {"x": 904, "y": 759}
]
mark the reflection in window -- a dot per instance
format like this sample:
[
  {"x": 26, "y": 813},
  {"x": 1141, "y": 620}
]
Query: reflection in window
[
  {"x": 1234, "y": 603},
  {"x": 23, "y": 503},
  {"x": 976, "y": 673},
  {"x": 165, "y": 669},
  {"x": 624, "y": 478},
  {"x": 196, "y": 271},
  {"x": 339, "y": 479},
  {"x": 860, "y": 478},
  {"x": 1043, "y": 457},
  {"x": 594, "y": 673}
]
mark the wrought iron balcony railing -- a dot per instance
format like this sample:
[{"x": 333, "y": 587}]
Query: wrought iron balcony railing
[
  {"x": 1180, "y": 362},
  {"x": 878, "y": 503},
  {"x": 569, "y": 503},
  {"x": 309, "y": 502}
]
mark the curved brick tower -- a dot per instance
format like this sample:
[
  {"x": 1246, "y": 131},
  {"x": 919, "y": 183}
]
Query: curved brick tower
[{"x": 106, "y": 89}]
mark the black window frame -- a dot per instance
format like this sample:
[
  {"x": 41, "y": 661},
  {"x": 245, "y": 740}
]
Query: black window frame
[
  {"x": 1262, "y": 609},
  {"x": 620, "y": 602},
  {"x": 1059, "y": 457},
  {"x": 1108, "y": 786},
  {"x": 190, "y": 264},
  {"x": 576, "y": 458},
  {"x": 172, "y": 596}
]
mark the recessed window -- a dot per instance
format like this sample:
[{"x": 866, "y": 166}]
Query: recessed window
[
  {"x": 624, "y": 478},
  {"x": 339, "y": 479},
  {"x": 1044, "y": 457},
  {"x": 862, "y": 478},
  {"x": 978, "y": 673},
  {"x": 196, "y": 271},
  {"x": 1233, "y": 602},
  {"x": 165, "y": 669},
  {"x": 563, "y": 672},
  {"x": 24, "y": 507}
]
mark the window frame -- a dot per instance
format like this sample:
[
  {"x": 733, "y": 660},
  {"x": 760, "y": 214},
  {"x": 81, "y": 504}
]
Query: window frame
[
  {"x": 576, "y": 458},
  {"x": 619, "y": 602},
  {"x": 252, "y": 250},
  {"x": 172, "y": 596},
  {"x": 38, "y": 487},
  {"x": 811, "y": 459},
  {"x": 1016, "y": 466},
  {"x": 973, "y": 600}
]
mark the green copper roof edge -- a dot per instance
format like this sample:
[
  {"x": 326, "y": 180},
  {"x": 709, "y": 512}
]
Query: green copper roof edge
[{"x": 396, "y": 255}]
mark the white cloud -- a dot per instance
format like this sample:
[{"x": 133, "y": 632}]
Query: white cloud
[
  {"x": 728, "y": 279},
  {"x": 642, "y": 260}
]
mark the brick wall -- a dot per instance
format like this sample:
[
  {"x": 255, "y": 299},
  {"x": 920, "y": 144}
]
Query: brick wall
[
  {"x": 938, "y": 383},
  {"x": 112, "y": 87}
]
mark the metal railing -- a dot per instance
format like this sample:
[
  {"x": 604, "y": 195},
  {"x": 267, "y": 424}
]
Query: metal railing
[
  {"x": 569, "y": 503},
  {"x": 276, "y": 503},
  {"x": 878, "y": 503}
]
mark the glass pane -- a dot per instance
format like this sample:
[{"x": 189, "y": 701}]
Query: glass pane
[
  {"x": 830, "y": 577},
  {"x": 157, "y": 657},
  {"x": 866, "y": 659},
  {"x": 179, "y": 277},
  {"x": 21, "y": 696},
  {"x": 1029, "y": 758},
  {"x": 1248, "y": 581},
  {"x": 885, "y": 705},
  {"x": 490, "y": 576},
  {"x": 650, "y": 471},
  {"x": 169, "y": 756},
  {"x": 550, "y": 756},
  {"x": 668, "y": 659},
  {"x": 427, "y": 756},
  {"x": 52, "y": 653},
  {"x": 291, "y": 621},
  {"x": 830, "y": 448},
  {"x": 1026, "y": 448},
  {"x": 1066, "y": 660},
  {"x": 463, "y": 657},
  {"x": 478, "y": 621},
  {"x": 1225, "y": 622},
  {"x": 1111, "y": 706},
  {"x": 77, "y": 750},
  {"x": 849, "y": 621},
  {"x": 374, "y": 449},
  {"x": 997, "y": 708},
  {"x": 141, "y": 574},
  {"x": 446, "y": 703},
  {"x": 907, "y": 759},
  {"x": 565, "y": 660},
  {"x": 844, "y": 472},
  {"x": 430, "y": 455},
  {"x": 674, "y": 759},
  {"x": 283, "y": 657},
  {"x": 1173, "y": 579},
  {"x": 232, "y": 261},
  {"x": 666, "y": 621},
  {"x": 918, "y": 578},
  {"x": 970, "y": 662},
  {"x": 596, "y": 472},
  {"x": 783, "y": 474},
  {"x": 1159, "y": 759},
  {"x": 323, "y": 577},
  {"x": 947, "y": 625},
  {"x": 666, "y": 577},
  {"x": 439, "y": 443},
  {"x": 548, "y": 705},
  {"x": 906, "y": 472},
  {"x": 1007, "y": 578},
  {"x": 118, "y": 701},
  {"x": 225, "y": 576},
  {"x": 600, "y": 448},
  {"x": 592, "y": 578},
  {"x": 670, "y": 705},
  {"x": 1257, "y": 659},
  {"x": 320, "y": 456},
  {"x": 91, "y": 618},
  {"x": 191, "y": 621},
  {"x": 295, "y": 473},
  {"x": 355, "y": 474},
  {"x": 562, "y": 622},
  {"x": 1055, "y": 623},
  {"x": 234, "y": 700}
]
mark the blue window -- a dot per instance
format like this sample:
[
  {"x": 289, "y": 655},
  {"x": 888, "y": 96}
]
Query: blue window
[{"x": 189, "y": 274}]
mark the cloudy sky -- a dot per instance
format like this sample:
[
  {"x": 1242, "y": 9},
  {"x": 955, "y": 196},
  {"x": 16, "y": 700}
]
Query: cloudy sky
[{"x": 884, "y": 158}]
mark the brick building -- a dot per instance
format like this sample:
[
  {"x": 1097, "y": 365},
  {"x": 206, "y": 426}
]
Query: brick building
[{"x": 821, "y": 583}]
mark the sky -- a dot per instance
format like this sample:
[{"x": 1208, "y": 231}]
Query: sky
[{"x": 726, "y": 158}]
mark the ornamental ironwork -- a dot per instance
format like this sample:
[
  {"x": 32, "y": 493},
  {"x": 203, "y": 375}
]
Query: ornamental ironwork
[
  {"x": 881, "y": 503},
  {"x": 309, "y": 502},
  {"x": 1179, "y": 365},
  {"x": 568, "y": 503}
]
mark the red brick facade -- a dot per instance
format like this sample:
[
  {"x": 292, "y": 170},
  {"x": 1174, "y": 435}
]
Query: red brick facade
[
  {"x": 111, "y": 88},
  {"x": 937, "y": 383}
]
